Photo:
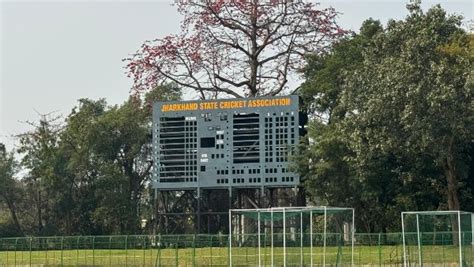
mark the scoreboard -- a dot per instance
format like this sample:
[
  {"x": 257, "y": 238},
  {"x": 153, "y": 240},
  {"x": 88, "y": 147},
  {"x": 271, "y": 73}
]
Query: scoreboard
[{"x": 225, "y": 143}]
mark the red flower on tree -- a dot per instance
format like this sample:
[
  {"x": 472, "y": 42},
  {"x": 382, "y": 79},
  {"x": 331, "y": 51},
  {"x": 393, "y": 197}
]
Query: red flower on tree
[{"x": 235, "y": 47}]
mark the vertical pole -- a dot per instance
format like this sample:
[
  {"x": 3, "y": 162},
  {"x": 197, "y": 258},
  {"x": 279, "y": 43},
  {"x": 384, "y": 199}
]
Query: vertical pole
[
  {"x": 194, "y": 251},
  {"x": 301, "y": 238},
  {"x": 31, "y": 244},
  {"x": 472, "y": 229},
  {"x": 419, "y": 241},
  {"x": 230, "y": 237},
  {"x": 176, "y": 255},
  {"x": 16, "y": 248},
  {"x": 258, "y": 233},
  {"x": 284, "y": 238},
  {"x": 380, "y": 250},
  {"x": 459, "y": 237},
  {"x": 144, "y": 250},
  {"x": 126, "y": 250},
  {"x": 271, "y": 230},
  {"x": 311, "y": 237},
  {"x": 110, "y": 251},
  {"x": 159, "y": 251},
  {"x": 198, "y": 213},
  {"x": 211, "y": 249},
  {"x": 324, "y": 236},
  {"x": 62, "y": 249},
  {"x": 403, "y": 241},
  {"x": 93, "y": 251},
  {"x": 77, "y": 251},
  {"x": 353, "y": 236}
]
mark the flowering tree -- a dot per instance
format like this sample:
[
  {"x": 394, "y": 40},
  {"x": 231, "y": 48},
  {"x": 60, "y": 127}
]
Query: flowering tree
[{"x": 237, "y": 48}]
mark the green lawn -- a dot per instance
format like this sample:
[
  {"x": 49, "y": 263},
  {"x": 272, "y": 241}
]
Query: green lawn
[{"x": 218, "y": 256}]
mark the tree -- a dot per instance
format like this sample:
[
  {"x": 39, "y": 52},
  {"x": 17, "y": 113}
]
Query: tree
[
  {"x": 236, "y": 48},
  {"x": 391, "y": 107},
  {"x": 413, "y": 96},
  {"x": 10, "y": 190},
  {"x": 325, "y": 73},
  {"x": 332, "y": 177},
  {"x": 38, "y": 148}
]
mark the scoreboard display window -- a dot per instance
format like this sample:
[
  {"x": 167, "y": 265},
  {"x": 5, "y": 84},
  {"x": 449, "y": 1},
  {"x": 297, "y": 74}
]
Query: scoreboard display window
[{"x": 225, "y": 143}]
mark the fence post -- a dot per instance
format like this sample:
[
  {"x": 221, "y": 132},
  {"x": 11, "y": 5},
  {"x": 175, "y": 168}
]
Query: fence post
[
  {"x": 159, "y": 250},
  {"x": 380, "y": 250},
  {"x": 62, "y": 249},
  {"x": 194, "y": 250},
  {"x": 77, "y": 251},
  {"x": 211, "y": 249},
  {"x": 16, "y": 248},
  {"x": 31, "y": 243},
  {"x": 93, "y": 251},
  {"x": 110, "y": 250},
  {"x": 126, "y": 250},
  {"x": 144, "y": 250},
  {"x": 176, "y": 254}
]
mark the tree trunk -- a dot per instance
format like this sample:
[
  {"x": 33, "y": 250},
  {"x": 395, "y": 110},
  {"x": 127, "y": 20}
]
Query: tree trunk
[
  {"x": 452, "y": 194},
  {"x": 40, "y": 217},
  {"x": 12, "y": 208}
]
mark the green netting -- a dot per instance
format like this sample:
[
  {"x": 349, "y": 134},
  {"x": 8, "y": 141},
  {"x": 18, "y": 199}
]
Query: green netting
[
  {"x": 429, "y": 235},
  {"x": 292, "y": 236}
]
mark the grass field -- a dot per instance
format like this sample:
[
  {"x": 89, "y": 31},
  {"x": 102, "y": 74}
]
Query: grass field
[{"x": 218, "y": 256}]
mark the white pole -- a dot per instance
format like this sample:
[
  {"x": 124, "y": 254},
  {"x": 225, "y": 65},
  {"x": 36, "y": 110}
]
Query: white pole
[
  {"x": 230, "y": 238},
  {"x": 459, "y": 236},
  {"x": 284, "y": 238},
  {"x": 258, "y": 232},
  {"x": 472, "y": 228},
  {"x": 418, "y": 237},
  {"x": 353, "y": 236},
  {"x": 301, "y": 237},
  {"x": 324, "y": 237},
  {"x": 403, "y": 240},
  {"x": 311, "y": 236},
  {"x": 271, "y": 230}
]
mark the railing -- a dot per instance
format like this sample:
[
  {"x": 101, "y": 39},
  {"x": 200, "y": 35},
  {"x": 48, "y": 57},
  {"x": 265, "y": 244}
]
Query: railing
[{"x": 436, "y": 249}]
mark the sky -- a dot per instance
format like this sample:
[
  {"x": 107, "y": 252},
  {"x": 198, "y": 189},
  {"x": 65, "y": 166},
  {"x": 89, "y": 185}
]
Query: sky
[{"x": 53, "y": 53}]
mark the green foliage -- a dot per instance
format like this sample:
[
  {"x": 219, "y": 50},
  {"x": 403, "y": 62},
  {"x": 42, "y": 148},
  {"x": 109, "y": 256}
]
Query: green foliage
[
  {"x": 86, "y": 175},
  {"x": 10, "y": 195},
  {"x": 392, "y": 119}
]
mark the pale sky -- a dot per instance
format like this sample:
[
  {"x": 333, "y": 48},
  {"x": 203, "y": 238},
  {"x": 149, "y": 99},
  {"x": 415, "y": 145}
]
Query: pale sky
[{"x": 53, "y": 53}]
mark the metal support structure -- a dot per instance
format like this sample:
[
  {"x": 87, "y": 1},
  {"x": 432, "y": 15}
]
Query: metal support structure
[
  {"x": 198, "y": 211},
  {"x": 230, "y": 237},
  {"x": 234, "y": 220},
  {"x": 301, "y": 238},
  {"x": 259, "y": 245},
  {"x": 311, "y": 237},
  {"x": 284, "y": 237},
  {"x": 271, "y": 230},
  {"x": 460, "y": 239},
  {"x": 352, "y": 237},
  {"x": 456, "y": 213},
  {"x": 324, "y": 237},
  {"x": 403, "y": 241},
  {"x": 418, "y": 239}
]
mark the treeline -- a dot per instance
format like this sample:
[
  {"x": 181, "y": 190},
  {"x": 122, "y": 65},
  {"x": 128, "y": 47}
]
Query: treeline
[
  {"x": 393, "y": 121},
  {"x": 391, "y": 129},
  {"x": 87, "y": 174}
]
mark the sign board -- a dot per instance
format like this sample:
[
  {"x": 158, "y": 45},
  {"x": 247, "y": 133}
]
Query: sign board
[{"x": 225, "y": 143}]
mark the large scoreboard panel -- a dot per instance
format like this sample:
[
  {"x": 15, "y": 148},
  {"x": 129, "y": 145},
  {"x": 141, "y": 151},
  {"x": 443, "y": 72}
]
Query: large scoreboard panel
[{"x": 225, "y": 143}]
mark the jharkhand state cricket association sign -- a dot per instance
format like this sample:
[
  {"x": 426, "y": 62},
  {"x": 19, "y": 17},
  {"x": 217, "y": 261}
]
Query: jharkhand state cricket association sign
[
  {"x": 226, "y": 104},
  {"x": 225, "y": 143}
]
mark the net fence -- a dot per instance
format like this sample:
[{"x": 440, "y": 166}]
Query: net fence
[
  {"x": 383, "y": 249},
  {"x": 292, "y": 236},
  {"x": 429, "y": 235}
]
